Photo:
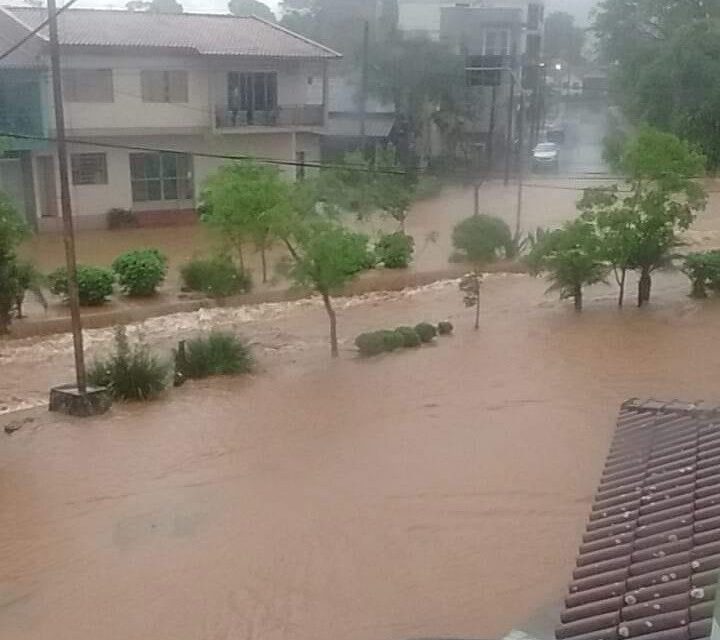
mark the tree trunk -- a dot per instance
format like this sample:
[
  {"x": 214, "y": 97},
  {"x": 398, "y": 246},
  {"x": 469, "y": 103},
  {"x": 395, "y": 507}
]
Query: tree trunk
[
  {"x": 477, "y": 314},
  {"x": 241, "y": 256},
  {"x": 263, "y": 257},
  {"x": 578, "y": 297},
  {"x": 644, "y": 287},
  {"x": 334, "y": 352},
  {"x": 5, "y": 311},
  {"x": 621, "y": 282}
]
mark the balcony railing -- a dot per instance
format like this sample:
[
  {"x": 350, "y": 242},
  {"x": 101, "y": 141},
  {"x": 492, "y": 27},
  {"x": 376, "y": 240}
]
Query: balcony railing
[{"x": 284, "y": 116}]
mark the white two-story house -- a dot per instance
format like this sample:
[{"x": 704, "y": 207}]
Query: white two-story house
[{"x": 152, "y": 103}]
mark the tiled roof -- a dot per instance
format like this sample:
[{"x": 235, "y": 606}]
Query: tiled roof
[
  {"x": 650, "y": 559},
  {"x": 203, "y": 34}
]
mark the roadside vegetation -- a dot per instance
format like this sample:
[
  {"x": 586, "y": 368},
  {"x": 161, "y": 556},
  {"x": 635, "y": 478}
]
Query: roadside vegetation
[{"x": 373, "y": 343}]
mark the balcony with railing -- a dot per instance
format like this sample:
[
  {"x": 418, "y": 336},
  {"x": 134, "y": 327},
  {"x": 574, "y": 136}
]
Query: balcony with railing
[{"x": 231, "y": 118}]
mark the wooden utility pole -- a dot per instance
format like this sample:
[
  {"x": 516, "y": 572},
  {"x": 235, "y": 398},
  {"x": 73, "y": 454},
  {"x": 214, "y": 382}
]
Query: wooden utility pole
[
  {"x": 511, "y": 116},
  {"x": 66, "y": 208},
  {"x": 521, "y": 163},
  {"x": 491, "y": 130},
  {"x": 364, "y": 86}
]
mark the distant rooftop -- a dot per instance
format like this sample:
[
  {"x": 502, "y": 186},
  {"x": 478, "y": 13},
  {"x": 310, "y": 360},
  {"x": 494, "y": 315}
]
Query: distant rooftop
[
  {"x": 195, "y": 33},
  {"x": 649, "y": 562}
]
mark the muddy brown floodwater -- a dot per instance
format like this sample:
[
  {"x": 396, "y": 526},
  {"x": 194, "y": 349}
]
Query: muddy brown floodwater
[{"x": 435, "y": 492}]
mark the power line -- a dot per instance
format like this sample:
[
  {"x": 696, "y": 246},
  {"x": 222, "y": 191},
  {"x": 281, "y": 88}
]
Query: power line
[{"x": 35, "y": 31}]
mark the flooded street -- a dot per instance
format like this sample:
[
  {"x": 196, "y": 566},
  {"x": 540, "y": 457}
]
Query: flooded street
[{"x": 437, "y": 492}]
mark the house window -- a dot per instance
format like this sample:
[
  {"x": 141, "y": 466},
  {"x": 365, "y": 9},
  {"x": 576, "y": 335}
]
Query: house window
[
  {"x": 89, "y": 168},
  {"x": 300, "y": 166},
  {"x": 164, "y": 86},
  {"x": 160, "y": 176},
  {"x": 252, "y": 91},
  {"x": 88, "y": 85}
]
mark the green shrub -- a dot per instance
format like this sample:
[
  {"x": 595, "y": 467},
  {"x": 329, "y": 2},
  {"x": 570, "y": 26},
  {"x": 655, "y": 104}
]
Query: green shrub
[
  {"x": 217, "y": 354},
  {"x": 95, "y": 284},
  {"x": 426, "y": 331},
  {"x": 371, "y": 343},
  {"x": 130, "y": 373},
  {"x": 410, "y": 337},
  {"x": 140, "y": 272},
  {"x": 445, "y": 328},
  {"x": 395, "y": 250},
  {"x": 217, "y": 277},
  {"x": 392, "y": 340},
  {"x": 703, "y": 269},
  {"x": 481, "y": 238}
]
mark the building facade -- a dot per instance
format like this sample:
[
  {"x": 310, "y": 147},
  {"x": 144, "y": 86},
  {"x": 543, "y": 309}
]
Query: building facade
[{"x": 154, "y": 104}]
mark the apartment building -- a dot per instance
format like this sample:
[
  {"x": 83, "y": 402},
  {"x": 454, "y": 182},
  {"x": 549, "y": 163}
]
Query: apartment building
[{"x": 152, "y": 102}]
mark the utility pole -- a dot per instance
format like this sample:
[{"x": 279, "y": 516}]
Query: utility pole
[
  {"x": 491, "y": 131},
  {"x": 364, "y": 86},
  {"x": 521, "y": 163},
  {"x": 511, "y": 115},
  {"x": 68, "y": 233}
]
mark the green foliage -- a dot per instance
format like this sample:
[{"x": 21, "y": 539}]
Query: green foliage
[
  {"x": 251, "y": 8},
  {"x": 130, "y": 372},
  {"x": 445, "y": 328},
  {"x": 703, "y": 269},
  {"x": 571, "y": 256},
  {"x": 563, "y": 40},
  {"x": 140, "y": 272},
  {"x": 217, "y": 354},
  {"x": 12, "y": 231},
  {"x": 371, "y": 343},
  {"x": 392, "y": 340},
  {"x": 666, "y": 65},
  {"x": 95, "y": 284},
  {"x": 482, "y": 238},
  {"x": 395, "y": 250},
  {"x": 426, "y": 331},
  {"x": 217, "y": 277},
  {"x": 410, "y": 337}
]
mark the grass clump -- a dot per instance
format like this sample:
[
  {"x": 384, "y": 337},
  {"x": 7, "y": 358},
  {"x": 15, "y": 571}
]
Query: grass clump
[
  {"x": 130, "y": 372},
  {"x": 426, "y": 331},
  {"x": 217, "y": 354}
]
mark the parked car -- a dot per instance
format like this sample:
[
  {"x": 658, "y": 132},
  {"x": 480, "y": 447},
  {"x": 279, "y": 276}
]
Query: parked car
[{"x": 546, "y": 156}]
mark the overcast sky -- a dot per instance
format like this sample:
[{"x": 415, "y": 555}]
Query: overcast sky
[{"x": 579, "y": 8}]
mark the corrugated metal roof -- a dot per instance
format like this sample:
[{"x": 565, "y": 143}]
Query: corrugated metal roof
[
  {"x": 203, "y": 34},
  {"x": 650, "y": 559}
]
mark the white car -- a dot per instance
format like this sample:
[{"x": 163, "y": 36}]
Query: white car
[{"x": 546, "y": 156}]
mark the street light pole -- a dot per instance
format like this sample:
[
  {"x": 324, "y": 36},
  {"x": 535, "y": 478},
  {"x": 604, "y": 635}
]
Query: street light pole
[{"x": 66, "y": 208}]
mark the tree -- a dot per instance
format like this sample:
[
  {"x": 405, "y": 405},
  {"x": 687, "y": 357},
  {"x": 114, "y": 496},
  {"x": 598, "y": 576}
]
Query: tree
[
  {"x": 155, "y": 6},
  {"x": 11, "y": 287},
  {"x": 240, "y": 200},
  {"x": 571, "y": 256},
  {"x": 563, "y": 40},
  {"x": 480, "y": 239},
  {"x": 251, "y": 8},
  {"x": 325, "y": 257}
]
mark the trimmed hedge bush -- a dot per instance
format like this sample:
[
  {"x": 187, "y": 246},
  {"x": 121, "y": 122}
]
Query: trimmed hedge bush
[
  {"x": 410, "y": 337},
  {"x": 482, "y": 238},
  {"x": 703, "y": 269},
  {"x": 371, "y": 343},
  {"x": 445, "y": 328},
  {"x": 95, "y": 284},
  {"x": 140, "y": 272},
  {"x": 131, "y": 372},
  {"x": 426, "y": 331},
  {"x": 392, "y": 340},
  {"x": 217, "y": 277},
  {"x": 395, "y": 250},
  {"x": 217, "y": 354}
]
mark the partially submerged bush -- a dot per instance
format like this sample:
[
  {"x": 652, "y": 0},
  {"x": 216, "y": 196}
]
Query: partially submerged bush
[
  {"x": 703, "y": 269},
  {"x": 371, "y": 343},
  {"x": 410, "y": 337},
  {"x": 395, "y": 250},
  {"x": 131, "y": 372},
  {"x": 95, "y": 284},
  {"x": 445, "y": 328},
  {"x": 482, "y": 239},
  {"x": 217, "y": 354},
  {"x": 217, "y": 277},
  {"x": 140, "y": 272},
  {"x": 392, "y": 340},
  {"x": 426, "y": 331}
]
